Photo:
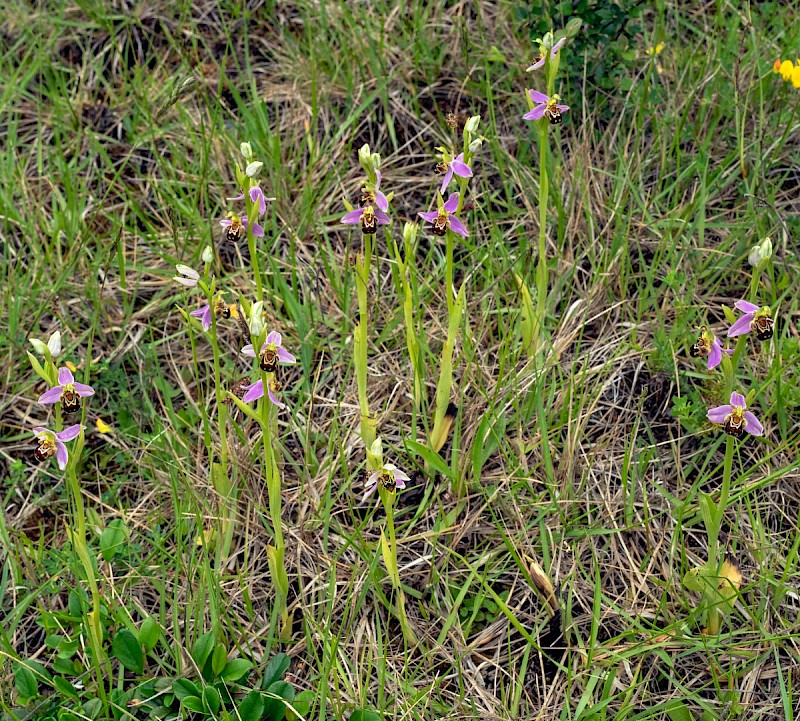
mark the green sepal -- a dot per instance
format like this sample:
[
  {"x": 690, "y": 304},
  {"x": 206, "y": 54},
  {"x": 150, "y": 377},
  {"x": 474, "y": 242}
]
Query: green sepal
[
  {"x": 38, "y": 369},
  {"x": 730, "y": 316}
]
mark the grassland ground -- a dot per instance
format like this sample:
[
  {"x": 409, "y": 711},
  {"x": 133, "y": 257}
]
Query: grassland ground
[{"x": 121, "y": 125}]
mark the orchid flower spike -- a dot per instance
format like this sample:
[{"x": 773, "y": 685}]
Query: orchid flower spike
[
  {"x": 256, "y": 390},
  {"x": 755, "y": 318},
  {"x": 236, "y": 227},
  {"x": 372, "y": 195},
  {"x": 735, "y": 418},
  {"x": 449, "y": 167},
  {"x": 444, "y": 218},
  {"x": 547, "y": 108},
  {"x": 390, "y": 477},
  {"x": 52, "y": 444},
  {"x": 271, "y": 354},
  {"x": 367, "y": 216},
  {"x": 68, "y": 392},
  {"x": 540, "y": 58},
  {"x": 186, "y": 276},
  {"x": 708, "y": 345}
]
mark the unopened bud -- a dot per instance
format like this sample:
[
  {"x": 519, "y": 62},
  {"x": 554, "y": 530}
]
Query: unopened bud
[
  {"x": 410, "y": 232},
  {"x": 54, "y": 344},
  {"x": 256, "y": 323},
  {"x": 761, "y": 252},
  {"x": 208, "y": 254},
  {"x": 253, "y": 168},
  {"x": 38, "y": 345},
  {"x": 247, "y": 151},
  {"x": 471, "y": 126},
  {"x": 475, "y": 145}
]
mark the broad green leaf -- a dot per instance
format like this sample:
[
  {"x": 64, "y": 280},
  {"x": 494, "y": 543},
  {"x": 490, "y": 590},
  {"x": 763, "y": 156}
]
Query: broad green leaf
[
  {"x": 236, "y": 669},
  {"x": 25, "y": 681},
  {"x": 278, "y": 665},
  {"x": 128, "y": 651},
  {"x": 112, "y": 539},
  {"x": 203, "y": 649},
  {"x": 218, "y": 659},
  {"x": 193, "y": 703},
  {"x": 211, "y": 698},
  {"x": 183, "y": 687},
  {"x": 149, "y": 633},
  {"x": 252, "y": 707},
  {"x": 362, "y": 714}
]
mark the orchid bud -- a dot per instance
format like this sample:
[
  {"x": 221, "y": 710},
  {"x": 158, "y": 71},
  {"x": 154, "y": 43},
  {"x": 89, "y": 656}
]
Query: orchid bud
[
  {"x": 54, "y": 344},
  {"x": 208, "y": 254},
  {"x": 247, "y": 151},
  {"x": 375, "y": 454},
  {"x": 475, "y": 145},
  {"x": 253, "y": 168},
  {"x": 761, "y": 252},
  {"x": 39, "y": 346},
  {"x": 410, "y": 233},
  {"x": 256, "y": 323},
  {"x": 376, "y": 161},
  {"x": 365, "y": 157},
  {"x": 471, "y": 126},
  {"x": 547, "y": 41}
]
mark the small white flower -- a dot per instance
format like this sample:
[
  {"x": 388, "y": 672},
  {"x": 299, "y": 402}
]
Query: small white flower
[
  {"x": 54, "y": 344},
  {"x": 187, "y": 276},
  {"x": 208, "y": 254}
]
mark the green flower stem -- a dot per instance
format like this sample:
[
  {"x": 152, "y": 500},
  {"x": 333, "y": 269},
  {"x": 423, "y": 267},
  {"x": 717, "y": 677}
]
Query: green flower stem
[
  {"x": 412, "y": 342},
  {"x": 276, "y": 553},
  {"x": 448, "y": 270},
  {"x": 715, "y": 558},
  {"x": 360, "y": 341}
]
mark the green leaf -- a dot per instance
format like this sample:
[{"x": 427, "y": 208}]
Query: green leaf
[
  {"x": 149, "y": 633},
  {"x": 278, "y": 665},
  {"x": 64, "y": 687},
  {"x": 429, "y": 456},
  {"x": 193, "y": 703},
  {"x": 236, "y": 669},
  {"x": 678, "y": 711},
  {"x": 113, "y": 538},
  {"x": 203, "y": 648},
  {"x": 389, "y": 559},
  {"x": 37, "y": 367},
  {"x": 362, "y": 714},
  {"x": 252, "y": 707},
  {"x": 730, "y": 316},
  {"x": 211, "y": 698},
  {"x": 219, "y": 659},
  {"x": 183, "y": 688},
  {"x": 301, "y": 705},
  {"x": 25, "y": 681},
  {"x": 128, "y": 651},
  {"x": 275, "y": 708},
  {"x": 527, "y": 318}
]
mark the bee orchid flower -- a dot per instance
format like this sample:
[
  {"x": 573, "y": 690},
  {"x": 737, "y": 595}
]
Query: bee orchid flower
[
  {"x": 389, "y": 477},
  {"x": 67, "y": 392},
  {"x": 444, "y": 218},
  {"x": 540, "y": 58},
  {"x": 271, "y": 353},
  {"x": 545, "y": 107},
  {"x": 204, "y": 314},
  {"x": 52, "y": 444},
  {"x": 256, "y": 196},
  {"x": 735, "y": 418},
  {"x": 708, "y": 345},
  {"x": 755, "y": 318},
  {"x": 456, "y": 166},
  {"x": 236, "y": 226},
  {"x": 186, "y": 276},
  {"x": 254, "y": 391}
]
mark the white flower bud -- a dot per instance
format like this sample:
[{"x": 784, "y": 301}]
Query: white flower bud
[
  {"x": 761, "y": 252},
  {"x": 256, "y": 323},
  {"x": 376, "y": 161},
  {"x": 247, "y": 151},
  {"x": 253, "y": 168},
  {"x": 475, "y": 145},
  {"x": 38, "y": 346},
  {"x": 547, "y": 41},
  {"x": 410, "y": 232},
  {"x": 54, "y": 344},
  {"x": 208, "y": 254},
  {"x": 364, "y": 154},
  {"x": 471, "y": 126}
]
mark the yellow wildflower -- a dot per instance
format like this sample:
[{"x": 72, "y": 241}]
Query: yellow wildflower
[
  {"x": 796, "y": 76},
  {"x": 786, "y": 69}
]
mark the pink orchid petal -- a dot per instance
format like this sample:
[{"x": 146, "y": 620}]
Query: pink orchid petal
[
  {"x": 752, "y": 425},
  {"x": 458, "y": 227},
  {"x": 84, "y": 391},
  {"x": 369, "y": 492},
  {"x": 535, "y": 114},
  {"x": 741, "y": 326},
  {"x": 745, "y": 306},
  {"x": 378, "y": 178},
  {"x": 538, "y": 64},
  {"x": 538, "y": 97},
  {"x": 381, "y": 201},
  {"x": 382, "y": 218},
  {"x": 65, "y": 376},
  {"x": 42, "y": 431},
  {"x": 257, "y": 231},
  {"x": 285, "y": 357},
  {"x": 460, "y": 167},
  {"x": 69, "y": 433},
  {"x": 188, "y": 282},
  {"x": 353, "y": 217},
  {"x": 717, "y": 415},
  {"x": 226, "y": 223},
  {"x": 448, "y": 176},
  {"x": 402, "y": 476},
  {"x": 238, "y": 197},
  {"x": 557, "y": 47},
  {"x": 273, "y": 337},
  {"x": 51, "y": 396},
  {"x": 563, "y": 108},
  {"x": 254, "y": 392},
  {"x": 399, "y": 482},
  {"x": 257, "y": 196},
  {"x": 737, "y": 399},
  {"x": 430, "y": 216},
  {"x": 248, "y": 351},
  {"x": 273, "y": 399},
  {"x": 62, "y": 456},
  {"x": 715, "y": 356},
  {"x": 729, "y": 351},
  {"x": 451, "y": 204}
]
